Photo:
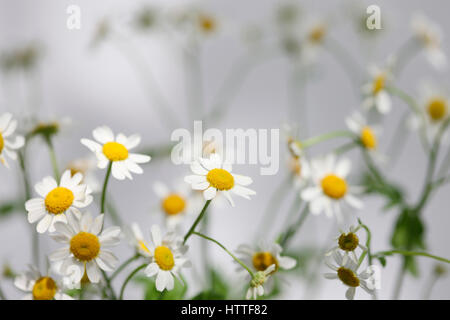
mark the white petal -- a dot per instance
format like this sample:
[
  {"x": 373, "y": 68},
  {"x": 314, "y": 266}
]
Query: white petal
[
  {"x": 210, "y": 193},
  {"x": 103, "y": 134},
  {"x": 44, "y": 224},
  {"x": 151, "y": 269},
  {"x": 93, "y": 272}
]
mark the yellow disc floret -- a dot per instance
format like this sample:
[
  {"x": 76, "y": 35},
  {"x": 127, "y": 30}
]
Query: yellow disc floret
[
  {"x": 173, "y": 204},
  {"x": 348, "y": 242},
  {"x": 207, "y": 23},
  {"x": 317, "y": 34},
  {"x": 115, "y": 151},
  {"x": 348, "y": 277},
  {"x": 59, "y": 200},
  {"x": 334, "y": 186},
  {"x": 44, "y": 289},
  {"x": 2, "y": 143},
  {"x": 220, "y": 179},
  {"x": 368, "y": 138},
  {"x": 378, "y": 83},
  {"x": 263, "y": 260},
  {"x": 85, "y": 246},
  {"x": 437, "y": 109},
  {"x": 164, "y": 258}
]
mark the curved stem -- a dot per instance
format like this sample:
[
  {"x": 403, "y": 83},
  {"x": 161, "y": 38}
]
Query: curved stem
[
  {"x": 130, "y": 276},
  {"x": 53, "y": 159},
  {"x": 324, "y": 137},
  {"x": 123, "y": 266},
  {"x": 369, "y": 238},
  {"x": 227, "y": 251},
  {"x": 199, "y": 218},
  {"x": 294, "y": 228},
  {"x": 105, "y": 186},
  {"x": 411, "y": 253},
  {"x": 108, "y": 285},
  {"x": 399, "y": 281}
]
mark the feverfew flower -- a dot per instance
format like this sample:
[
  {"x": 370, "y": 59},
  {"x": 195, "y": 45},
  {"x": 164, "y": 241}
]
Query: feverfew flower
[
  {"x": 257, "y": 283},
  {"x": 86, "y": 167},
  {"x": 85, "y": 247},
  {"x": 115, "y": 150},
  {"x": 316, "y": 31},
  {"x": 136, "y": 239},
  {"x": 167, "y": 258},
  {"x": 39, "y": 287},
  {"x": 430, "y": 35},
  {"x": 56, "y": 201},
  {"x": 348, "y": 242},
  {"x": 330, "y": 188},
  {"x": 376, "y": 95},
  {"x": 346, "y": 271},
  {"x": 8, "y": 145},
  {"x": 212, "y": 175}
]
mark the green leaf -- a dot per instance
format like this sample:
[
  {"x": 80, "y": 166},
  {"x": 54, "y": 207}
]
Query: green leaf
[
  {"x": 10, "y": 207},
  {"x": 150, "y": 292},
  {"x": 382, "y": 261}
]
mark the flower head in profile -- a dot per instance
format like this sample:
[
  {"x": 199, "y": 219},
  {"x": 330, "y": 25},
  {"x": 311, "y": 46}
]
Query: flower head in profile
[
  {"x": 175, "y": 203},
  {"x": 55, "y": 201},
  {"x": 330, "y": 187},
  {"x": 8, "y": 143},
  {"x": 212, "y": 176},
  {"x": 86, "y": 167},
  {"x": 430, "y": 36},
  {"x": 375, "y": 91},
  {"x": 345, "y": 269},
  {"x": 85, "y": 247},
  {"x": 39, "y": 287},
  {"x": 257, "y": 283},
  {"x": 133, "y": 234},
  {"x": 116, "y": 150},
  {"x": 167, "y": 258},
  {"x": 348, "y": 242}
]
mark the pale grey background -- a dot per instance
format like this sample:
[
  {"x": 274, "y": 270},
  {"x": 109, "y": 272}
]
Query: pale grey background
[{"x": 99, "y": 87}]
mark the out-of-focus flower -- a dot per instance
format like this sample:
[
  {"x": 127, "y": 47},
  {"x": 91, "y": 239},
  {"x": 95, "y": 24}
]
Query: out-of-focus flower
[
  {"x": 102, "y": 31},
  {"x": 24, "y": 58},
  {"x": 330, "y": 187},
  {"x": 86, "y": 167},
  {"x": 39, "y": 287},
  {"x": 116, "y": 150},
  {"x": 175, "y": 204},
  {"x": 136, "y": 239},
  {"x": 346, "y": 271},
  {"x": 375, "y": 91},
  {"x": 49, "y": 128},
  {"x": 212, "y": 175},
  {"x": 85, "y": 247},
  {"x": 257, "y": 283},
  {"x": 8, "y": 145},
  {"x": 430, "y": 36},
  {"x": 56, "y": 201},
  {"x": 348, "y": 242},
  {"x": 146, "y": 18},
  {"x": 167, "y": 258},
  {"x": 366, "y": 134}
]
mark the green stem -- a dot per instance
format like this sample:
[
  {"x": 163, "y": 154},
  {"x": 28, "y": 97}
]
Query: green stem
[
  {"x": 123, "y": 266},
  {"x": 108, "y": 285},
  {"x": 400, "y": 279},
  {"x": 345, "y": 148},
  {"x": 324, "y": 137},
  {"x": 130, "y": 276},
  {"x": 293, "y": 229},
  {"x": 227, "y": 251},
  {"x": 411, "y": 253},
  {"x": 199, "y": 218},
  {"x": 105, "y": 186},
  {"x": 368, "y": 240},
  {"x": 53, "y": 159}
]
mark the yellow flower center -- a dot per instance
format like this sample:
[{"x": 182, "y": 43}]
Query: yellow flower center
[
  {"x": 437, "y": 109},
  {"x": 2, "y": 143},
  {"x": 207, "y": 23},
  {"x": 348, "y": 277},
  {"x": 85, "y": 246},
  {"x": 173, "y": 204},
  {"x": 348, "y": 242},
  {"x": 44, "y": 289},
  {"x": 164, "y": 258},
  {"x": 334, "y": 186},
  {"x": 378, "y": 83},
  {"x": 263, "y": 260},
  {"x": 317, "y": 34},
  {"x": 115, "y": 151},
  {"x": 142, "y": 245},
  {"x": 220, "y": 179},
  {"x": 59, "y": 200},
  {"x": 368, "y": 138}
]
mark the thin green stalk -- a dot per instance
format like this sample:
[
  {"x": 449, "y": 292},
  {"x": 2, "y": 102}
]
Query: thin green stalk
[
  {"x": 368, "y": 240},
  {"x": 411, "y": 253},
  {"x": 400, "y": 279},
  {"x": 2, "y": 295},
  {"x": 130, "y": 276},
  {"x": 108, "y": 285},
  {"x": 227, "y": 251},
  {"x": 199, "y": 218},
  {"x": 398, "y": 141},
  {"x": 105, "y": 186},
  {"x": 324, "y": 137},
  {"x": 404, "y": 55},
  {"x": 53, "y": 159},
  {"x": 293, "y": 229},
  {"x": 345, "y": 148},
  {"x": 123, "y": 266},
  {"x": 429, "y": 286}
]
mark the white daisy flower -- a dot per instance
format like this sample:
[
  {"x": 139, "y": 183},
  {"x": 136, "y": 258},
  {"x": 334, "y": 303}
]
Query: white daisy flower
[
  {"x": 434, "y": 111},
  {"x": 212, "y": 175},
  {"x": 56, "y": 201},
  {"x": 8, "y": 145},
  {"x": 330, "y": 187},
  {"x": 167, "y": 258},
  {"x": 430, "y": 35},
  {"x": 346, "y": 271},
  {"x": 316, "y": 31},
  {"x": 257, "y": 283},
  {"x": 115, "y": 150},
  {"x": 86, "y": 166},
  {"x": 39, "y": 287},
  {"x": 84, "y": 249},
  {"x": 348, "y": 242},
  {"x": 175, "y": 204},
  {"x": 376, "y": 95},
  {"x": 136, "y": 240}
]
